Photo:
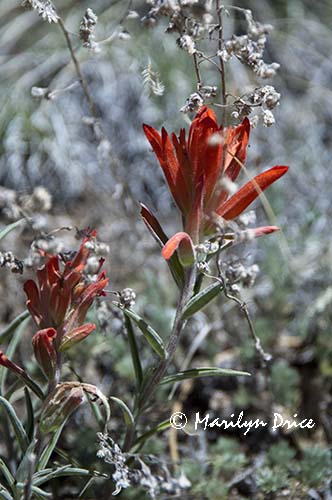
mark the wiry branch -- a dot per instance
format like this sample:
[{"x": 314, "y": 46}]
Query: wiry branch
[
  {"x": 78, "y": 70},
  {"x": 265, "y": 357},
  {"x": 221, "y": 61}
]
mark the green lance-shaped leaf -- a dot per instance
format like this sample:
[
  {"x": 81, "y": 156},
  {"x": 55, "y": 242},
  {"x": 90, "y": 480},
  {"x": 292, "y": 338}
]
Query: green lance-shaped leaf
[
  {"x": 200, "y": 300},
  {"x": 97, "y": 413},
  {"x": 7, "y": 229},
  {"x": 17, "y": 328},
  {"x": 7, "y": 475},
  {"x": 95, "y": 392},
  {"x": 67, "y": 470},
  {"x": 4, "y": 494},
  {"x": 86, "y": 487},
  {"x": 30, "y": 424},
  {"x": 10, "y": 351},
  {"x": 128, "y": 416},
  {"x": 48, "y": 450},
  {"x": 24, "y": 467},
  {"x": 159, "y": 428},
  {"x": 201, "y": 372},
  {"x": 134, "y": 352},
  {"x": 20, "y": 433},
  {"x": 36, "y": 493},
  {"x": 155, "y": 341},
  {"x": 32, "y": 385},
  {"x": 39, "y": 493}
]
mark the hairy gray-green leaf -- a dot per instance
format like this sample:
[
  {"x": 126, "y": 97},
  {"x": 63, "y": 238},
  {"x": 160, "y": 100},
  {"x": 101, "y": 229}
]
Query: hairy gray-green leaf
[
  {"x": 32, "y": 385},
  {"x": 202, "y": 372},
  {"x": 20, "y": 433},
  {"x": 159, "y": 428},
  {"x": 7, "y": 229},
  {"x": 134, "y": 353},
  {"x": 7, "y": 475},
  {"x": 39, "y": 493},
  {"x": 30, "y": 424},
  {"x": 200, "y": 300},
  {"x": 48, "y": 450},
  {"x": 11, "y": 350},
  {"x": 67, "y": 470},
  {"x": 128, "y": 416},
  {"x": 4, "y": 494},
  {"x": 23, "y": 469},
  {"x": 155, "y": 341}
]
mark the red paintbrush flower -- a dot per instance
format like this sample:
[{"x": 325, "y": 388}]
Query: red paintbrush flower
[
  {"x": 61, "y": 300},
  {"x": 196, "y": 170}
]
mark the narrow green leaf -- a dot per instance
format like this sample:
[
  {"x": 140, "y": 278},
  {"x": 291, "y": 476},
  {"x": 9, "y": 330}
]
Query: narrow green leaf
[
  {"x": 20, "y": 433},
  {"x": 67, "y": 470},
  {"x": 41, "y": 493},
  {"x": 24, "y": 467},
  {"x": 4, "y": 494},
  {"x": 134, "y": 352},
  {"x": 176, "y": 269},
  {"x": 202, "y": 372},
  {"x": 86, "y": 487},
  {"x": 102, "y": 398},
  {"x": 155, "y": 341},
  {"x": 198, "y": 283},
  {"x": 10, "y": 351},
  {"x": 30, "y": 416},
  {"x": 37, "y": 497},
  {"x": 38, "y": 493},
  {"x": 97, "y": 413},
  {"x": 128, "y": 416},
  {"x": 159, "y": 428},
  {"x": 7, "y": 229},
  {"x": 48, "y": 450},
  {"x": 7, "y": 475},
  {"x": 32, "y": 385},
  {"x": 200, "y": 300},
  {"x": 18, "y": 324},
  {"x": 8, "y": 330}
]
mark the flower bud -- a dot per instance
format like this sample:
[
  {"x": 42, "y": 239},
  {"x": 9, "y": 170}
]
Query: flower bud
[
  {"x": 44, "y": 350},
  {"x": 61, "y": 403}
]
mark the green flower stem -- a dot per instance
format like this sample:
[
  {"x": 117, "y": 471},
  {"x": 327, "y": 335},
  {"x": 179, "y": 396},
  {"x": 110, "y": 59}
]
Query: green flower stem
[{"x": 178, "y": 325}]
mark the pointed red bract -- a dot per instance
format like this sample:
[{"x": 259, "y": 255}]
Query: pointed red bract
[
  {"x": 163, "y": 150},
  {"x": 153, "y": 225},
  {"x": 249, "y": 192},
  {"x": 257, "y": 232},
  {"x": 195, "y": 218},
  {"x": 76, "y": 335},
  {"x": 237, "y": 141}
]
